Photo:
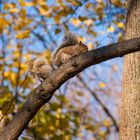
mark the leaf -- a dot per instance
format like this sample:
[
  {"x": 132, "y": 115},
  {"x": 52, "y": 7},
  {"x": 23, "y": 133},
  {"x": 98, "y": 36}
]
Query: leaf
[
  {"x": 75, "y": 21},
  {"x": 102, "y": 84},
  {"x": 82, "y": 39},
  {"x": 23, "y": 3},
  {"x": 42, "y": 2},
  {"x": 23, "y": 35},
  {"x": 8, "y": 107},
  {"x": 5, "y": 96},
  {"x": 66, "y": 27},
  {"x": 111, "y": 29},
  {"x": 44, "y": 10},
  {"x": 117, "y": 3},
  {"x": 106, "y": 123},
  {"x": 90, "y": 46},
  {"x": 94, "y": 33},
  {"x": 88, "y": 22},
  {"x": 99, "y": 1},
  {"x": 13, "y": 10},
  {"x": 57, "y": 31},
  {"x": 82, "y": 18},
  {"x": 120, "y": 25},
  {"x": 57, "y": 19},
  {"x": 52, "y": 128},
  {"x": 48, "y": 55},
  {"x": 3, "y": 25},
  {"x": 9, "y": 5}
]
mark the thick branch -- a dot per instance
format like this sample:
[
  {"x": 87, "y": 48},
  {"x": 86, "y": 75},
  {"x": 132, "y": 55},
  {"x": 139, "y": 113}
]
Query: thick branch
[{"x": 43, "y": 93}]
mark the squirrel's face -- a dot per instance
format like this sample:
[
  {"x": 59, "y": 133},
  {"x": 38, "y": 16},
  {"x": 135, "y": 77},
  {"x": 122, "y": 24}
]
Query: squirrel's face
[{"x": 83, "y": 47}]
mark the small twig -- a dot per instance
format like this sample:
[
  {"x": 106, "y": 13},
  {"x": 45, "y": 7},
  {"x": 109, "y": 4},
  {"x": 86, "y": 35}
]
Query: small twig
[{"x": 106, "y": 110}]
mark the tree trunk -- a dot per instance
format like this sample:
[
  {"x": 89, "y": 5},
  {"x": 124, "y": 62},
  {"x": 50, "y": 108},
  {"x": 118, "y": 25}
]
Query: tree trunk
[{"x": 130, "y": 111}]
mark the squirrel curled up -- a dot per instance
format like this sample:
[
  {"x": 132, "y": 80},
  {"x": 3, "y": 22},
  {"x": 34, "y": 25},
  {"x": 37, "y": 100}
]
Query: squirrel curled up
[{"x": 71, "y": 46}]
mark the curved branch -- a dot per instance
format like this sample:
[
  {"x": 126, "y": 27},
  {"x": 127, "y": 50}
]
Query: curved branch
[{"x": 44, "y": 92}]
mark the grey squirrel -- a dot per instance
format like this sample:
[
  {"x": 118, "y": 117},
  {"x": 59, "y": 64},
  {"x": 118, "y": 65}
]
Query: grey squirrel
[
  {"x": 70, "y": 47},
  {"x": 39, "y": 68}
]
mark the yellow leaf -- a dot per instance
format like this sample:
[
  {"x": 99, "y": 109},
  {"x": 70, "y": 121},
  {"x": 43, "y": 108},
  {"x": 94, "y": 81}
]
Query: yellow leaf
[
  {"x": 58, "y": 113},
  {"x": 99, "y": 1},
  {"x": 22, "y": 35},
  {"x": 111, "y": 29},
  {"x": 42, "y": 2},
  {"x": 22, "y": 23},
  {"x": 66, "y": 137},
  {"x": 3, "y": 24},
  {"x": 57, "y": 122},
  {"x": 90, "y": 46},
  {"x": 6, "y": 74},
  {"x": 47, "y": 54},
  {"x": 13, "y": 10},
  {"x": 120, "y": 25},
  {"x": 106, "y": 123},
  {"x": 57, "y": 19},
  {"x": 27, "y": 56},
  {"x": 23, "y": 3},
  {"x": 8, "y": 6},
  {"x": 13, "y": 77},
  {"x": 59, "y": 110},
  {"x": 88, "y": 22},
  {"x": 82, "y": 39},
  {"x": 62, "y": 116},
  {"x": 44, "y": 10},
  {"x": 52, "y": 128},
  {"x": 23, "y": 66},
  {"x": 102, "y": 134},
  {"x": 102, "y": 84},
  {"x": 75, "y": 21}
]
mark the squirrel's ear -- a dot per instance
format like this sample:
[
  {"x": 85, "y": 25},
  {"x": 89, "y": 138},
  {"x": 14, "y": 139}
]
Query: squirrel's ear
[{"x": 80, "y": 42}]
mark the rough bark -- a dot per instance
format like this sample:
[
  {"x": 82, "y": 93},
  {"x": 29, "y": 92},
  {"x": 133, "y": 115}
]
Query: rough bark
[
  {"x": 130, "y": 110},
  {"x": 43, "y": 93}
]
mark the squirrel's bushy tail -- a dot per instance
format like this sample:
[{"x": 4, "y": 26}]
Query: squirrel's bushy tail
[{"x": 69, "y": 39}]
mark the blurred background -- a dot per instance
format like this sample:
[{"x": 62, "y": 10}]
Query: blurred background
[{"x": 87, "y": 106}]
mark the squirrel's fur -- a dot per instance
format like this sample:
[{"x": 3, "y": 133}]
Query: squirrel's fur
[
  {"x": 69, "y": 48},
  {"x": 39, "y": 68},
  {"x": 69, "y": 39}
]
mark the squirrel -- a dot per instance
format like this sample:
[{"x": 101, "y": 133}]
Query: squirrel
[
  {"x": 39, "y": 68},
  {"x": 68, "y": 49}
]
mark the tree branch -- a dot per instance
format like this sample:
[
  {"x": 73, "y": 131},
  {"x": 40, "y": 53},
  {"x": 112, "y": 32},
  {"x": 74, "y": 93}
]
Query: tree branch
[{"x": 43, "y": 93}]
